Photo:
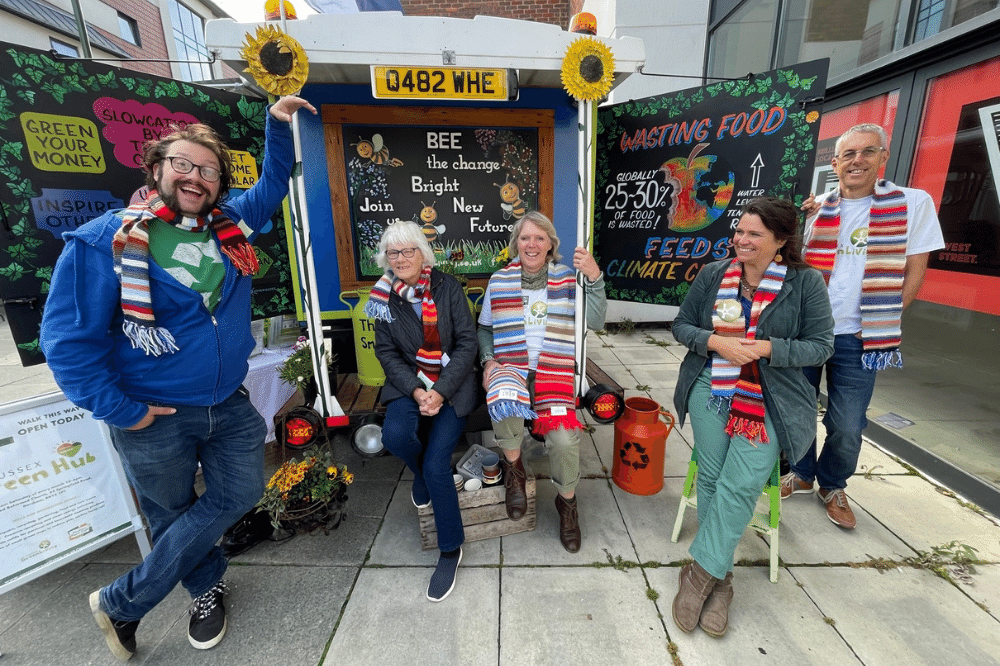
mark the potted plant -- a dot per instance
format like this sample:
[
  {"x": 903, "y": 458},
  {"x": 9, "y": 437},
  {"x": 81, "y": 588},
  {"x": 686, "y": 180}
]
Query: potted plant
[
  {"x": 307, "y": 494},
  {"x": 297, "y": 369}
]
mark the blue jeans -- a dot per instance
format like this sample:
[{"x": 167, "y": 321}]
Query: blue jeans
[
  {"x": 849, "y": 387},
  {"x": 160, "y": 462},
  {"x": 431, "y": 465}
]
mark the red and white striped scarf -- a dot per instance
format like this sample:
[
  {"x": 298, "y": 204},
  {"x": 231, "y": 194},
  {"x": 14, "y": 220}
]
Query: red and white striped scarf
[
  {"x": 130, "y": 248},
  {"x": 377, "y": 307},
  {"x": 885, "y": 261},
  {"x": 739, "y": 387}
]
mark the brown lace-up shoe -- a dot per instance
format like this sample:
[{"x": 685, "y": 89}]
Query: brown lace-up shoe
[
  {"x": 695, "y": 586},
  {"x": 792, "y": 484},
  {"x": 569, "y": 523},
  {"x": 715, "y": 613},
  {"x": 837, "y": 508},
  {"x": 514, "y": 478}
]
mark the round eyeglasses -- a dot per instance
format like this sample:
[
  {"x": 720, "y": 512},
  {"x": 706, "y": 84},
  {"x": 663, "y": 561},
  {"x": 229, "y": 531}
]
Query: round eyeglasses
[{"x": 183, "y": 165}]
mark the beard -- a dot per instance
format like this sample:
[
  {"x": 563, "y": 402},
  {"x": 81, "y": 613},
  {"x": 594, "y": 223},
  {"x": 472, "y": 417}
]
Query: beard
[{"x": 171, "y": 202}]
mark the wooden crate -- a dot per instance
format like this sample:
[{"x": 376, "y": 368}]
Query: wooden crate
[{"x": 484, "y": 515}]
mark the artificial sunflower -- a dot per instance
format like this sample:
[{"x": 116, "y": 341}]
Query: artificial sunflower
[
  {"x": 588, "y": 69},
  {"x": 277, "y": 61}
]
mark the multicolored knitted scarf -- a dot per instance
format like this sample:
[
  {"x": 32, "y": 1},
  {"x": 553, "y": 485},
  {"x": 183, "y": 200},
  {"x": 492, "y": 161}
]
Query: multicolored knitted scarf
[
  {"x": 739, "y": 387},
  {"x": 130, "y": 248},
  {"x": 507, "y": 395},
  {"x": 885, "y": 260},
  {"x": 377, "y": 307}
]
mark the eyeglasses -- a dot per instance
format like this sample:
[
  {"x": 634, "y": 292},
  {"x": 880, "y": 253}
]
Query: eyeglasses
[
  {"x": 182, "y": 165},
  {"x": 867, "y": 153},
  {"x": 407, "y": 252}
]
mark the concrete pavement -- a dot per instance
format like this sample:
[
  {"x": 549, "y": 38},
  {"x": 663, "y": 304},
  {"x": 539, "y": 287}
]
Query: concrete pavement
[{"x": 356, "y": 596}]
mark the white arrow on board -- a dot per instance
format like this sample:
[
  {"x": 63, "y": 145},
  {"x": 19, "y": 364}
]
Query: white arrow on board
[{"x": 757, "y": 165}]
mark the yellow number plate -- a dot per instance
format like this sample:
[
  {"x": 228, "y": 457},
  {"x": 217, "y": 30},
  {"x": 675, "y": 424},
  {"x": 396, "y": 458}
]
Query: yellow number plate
[{"x": 443, "y": 83}]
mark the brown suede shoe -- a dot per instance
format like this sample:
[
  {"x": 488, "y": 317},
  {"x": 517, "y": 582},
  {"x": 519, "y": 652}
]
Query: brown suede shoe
[
  {"x": 514, "y": 478},
  {"x": 695, "y": 586},
  {"x": 715, "y": 613},
  {"x": 569, "y": 523},
  {"x": 837, "y": 508}
]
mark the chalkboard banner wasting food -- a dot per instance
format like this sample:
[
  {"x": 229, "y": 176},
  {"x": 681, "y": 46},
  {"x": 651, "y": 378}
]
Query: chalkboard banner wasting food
[
  {"x": 465, "y": 186},
  {"x": 673, "y": 171}
]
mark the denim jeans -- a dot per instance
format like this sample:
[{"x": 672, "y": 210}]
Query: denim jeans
[
  {"x": 731, "y": 474},
  {"x": 160, "y": 462},
  {"x": 849, "y": 387},
  {"x": 430, "y": 464}
]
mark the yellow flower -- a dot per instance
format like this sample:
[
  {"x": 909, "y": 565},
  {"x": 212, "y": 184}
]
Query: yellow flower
[
  {"x": 276, "y": 61},
  {"x": 331, "y": 472},
  {"x": 588, "y": 69},
  {"x": 812, "y": 116},
  {"x": 348, "y": 478}
]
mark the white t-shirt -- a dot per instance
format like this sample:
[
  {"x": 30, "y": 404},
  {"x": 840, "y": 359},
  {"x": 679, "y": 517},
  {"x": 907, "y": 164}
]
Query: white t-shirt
[
  {"x": 923, "y": 234},
  {"x": 536, "y": 311}
]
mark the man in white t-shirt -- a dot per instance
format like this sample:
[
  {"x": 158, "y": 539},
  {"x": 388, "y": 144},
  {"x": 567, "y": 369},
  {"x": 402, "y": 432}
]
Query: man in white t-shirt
[{"x": 871, "y": 240}]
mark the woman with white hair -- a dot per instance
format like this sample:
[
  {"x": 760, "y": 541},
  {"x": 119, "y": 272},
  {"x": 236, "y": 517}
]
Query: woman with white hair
[
  {"x": 425, "y": 339},
  {"x": 526, "y": 345}
]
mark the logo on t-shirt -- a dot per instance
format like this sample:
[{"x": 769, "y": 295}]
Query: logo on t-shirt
[{"x": 860, "y": 237}]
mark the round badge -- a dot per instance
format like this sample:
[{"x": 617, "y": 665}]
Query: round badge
[{"x": 728, "y": 309}]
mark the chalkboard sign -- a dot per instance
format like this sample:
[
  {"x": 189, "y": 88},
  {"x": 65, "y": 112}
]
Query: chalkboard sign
[
  {"x": 72, "y": 134},
  {"x": 465, "y": 176},
  {"x": 673, "y": 171}
]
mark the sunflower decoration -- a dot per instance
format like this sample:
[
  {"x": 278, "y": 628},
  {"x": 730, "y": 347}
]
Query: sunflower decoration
[
  {"x": 277, "y": 61},
  {"x": 588, "y": 69}
]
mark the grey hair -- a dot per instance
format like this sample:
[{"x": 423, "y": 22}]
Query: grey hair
[
  {"x": 863, "y": 128},
  {"x": 403, "y": 232},
  {"x": 543, "y": 223}
]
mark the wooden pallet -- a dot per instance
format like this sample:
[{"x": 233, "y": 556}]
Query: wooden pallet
[{"x": 484, "y": 515}]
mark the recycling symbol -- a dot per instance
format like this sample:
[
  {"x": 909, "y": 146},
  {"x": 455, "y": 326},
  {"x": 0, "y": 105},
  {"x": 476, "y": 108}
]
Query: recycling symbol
[{"x": 628, "y": 455}]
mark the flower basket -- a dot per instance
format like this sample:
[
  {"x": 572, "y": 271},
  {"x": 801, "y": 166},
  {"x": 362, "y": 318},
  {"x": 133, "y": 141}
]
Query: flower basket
[{"x": 307, "y": 495}]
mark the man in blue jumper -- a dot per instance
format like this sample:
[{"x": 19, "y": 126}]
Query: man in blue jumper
[{"x": 147, "y": 325}]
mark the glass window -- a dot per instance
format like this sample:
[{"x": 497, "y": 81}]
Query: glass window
[
  {"x": 62, "y": 48},
  {"x": 880, "y": 110},
  {"x": 189, "y": 38},
  {"x": 743, "y": 42},
  {"x": 933, "y": 16},
  {"x": 128, "y": 29}
]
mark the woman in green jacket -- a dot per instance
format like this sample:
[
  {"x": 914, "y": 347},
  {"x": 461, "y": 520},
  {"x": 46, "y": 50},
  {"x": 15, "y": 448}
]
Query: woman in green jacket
[{"x": 750, "y": 325}]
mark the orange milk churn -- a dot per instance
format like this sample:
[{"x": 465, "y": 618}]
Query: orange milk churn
[{"x": 640, "y": 446}]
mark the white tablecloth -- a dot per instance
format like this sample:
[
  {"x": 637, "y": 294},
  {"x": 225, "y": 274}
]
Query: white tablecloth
[{"x": 267, "y": 392}]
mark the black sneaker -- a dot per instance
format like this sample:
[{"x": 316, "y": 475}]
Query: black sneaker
[
  {"x": 118, "y": 634},
  {"x": 208, "y": 618},
  {"x": 443, "y": 578}
]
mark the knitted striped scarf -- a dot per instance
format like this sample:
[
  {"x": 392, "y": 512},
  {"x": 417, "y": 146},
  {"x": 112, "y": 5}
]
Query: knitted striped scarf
[
  {"x": 130, "y": 248},
  {"x": 507, "y": 395},
  {"x": 885, "y": 260},
  {"x": 739, "y": 387},
  {"x": 377, "y": 307}
]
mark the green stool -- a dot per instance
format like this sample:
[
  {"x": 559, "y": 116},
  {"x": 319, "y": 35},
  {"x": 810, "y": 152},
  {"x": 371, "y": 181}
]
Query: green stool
[{"x": 765, "y": 522}]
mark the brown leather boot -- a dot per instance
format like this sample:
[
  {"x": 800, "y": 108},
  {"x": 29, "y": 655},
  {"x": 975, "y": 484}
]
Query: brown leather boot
[
  {"x": 569, "y": 523},
  {"x": 695, "y": 586},
  {"x": 715, "y": 613},
  {"x": 514, "y": 478}
]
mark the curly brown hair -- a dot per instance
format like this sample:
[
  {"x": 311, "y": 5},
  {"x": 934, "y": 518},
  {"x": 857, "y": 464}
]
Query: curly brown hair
[{"x": 203, "y": 135}]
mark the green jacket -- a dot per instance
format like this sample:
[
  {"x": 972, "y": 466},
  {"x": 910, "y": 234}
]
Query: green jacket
[{"x": 799, "y": 325}]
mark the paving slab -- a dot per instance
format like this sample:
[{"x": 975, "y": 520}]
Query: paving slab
[
  {"x": 633, "y": 339},
  {"x": 637, "y": 357},
  {"x": 985, "y": 588},
  {"x": 916, "y": 511},
  {"x": 390, "y": 621},
  {"x": 656, "y": 375},
  {"x": 620, "y": 373},
  {"x": 21, "y": 601},
  {"x": 579, "y": 615},
  {"x": 601, "y": 354},
  {"x": 347, "y": 545},
  {"x": 650, "y": 523},
  {"x": 769, "y": 623},
  {"x": 601, "y": 525},
  {"x": 902, "y": 616},
  {"x": 398, "y": 540}
]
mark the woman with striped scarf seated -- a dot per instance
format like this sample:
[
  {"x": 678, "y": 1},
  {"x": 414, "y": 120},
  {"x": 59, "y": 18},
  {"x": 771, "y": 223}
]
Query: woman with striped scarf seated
[
  {"x": 750, "y": 324},
  {"x": 425, "y": 339},
  {"x": 526, "y": 345}
]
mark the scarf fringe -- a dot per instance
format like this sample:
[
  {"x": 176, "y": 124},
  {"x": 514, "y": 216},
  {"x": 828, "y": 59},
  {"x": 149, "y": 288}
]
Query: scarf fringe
[
  {"x": 753, "y": 430},
  {"x": 881, "y": 360},
  {"x": 547, "y": 423},
  {"x": 153, "y": 340},
  {"x": 243, "y": 258},
  {"x": 720, "y": 403},
  {"x": 378, "y": 310},
  {"x": 504, "y": 409}
]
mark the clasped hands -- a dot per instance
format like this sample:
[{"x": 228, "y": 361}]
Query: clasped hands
[
  {"x": 429, "y": 401},
  {"x": 739, "y": 351}
]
